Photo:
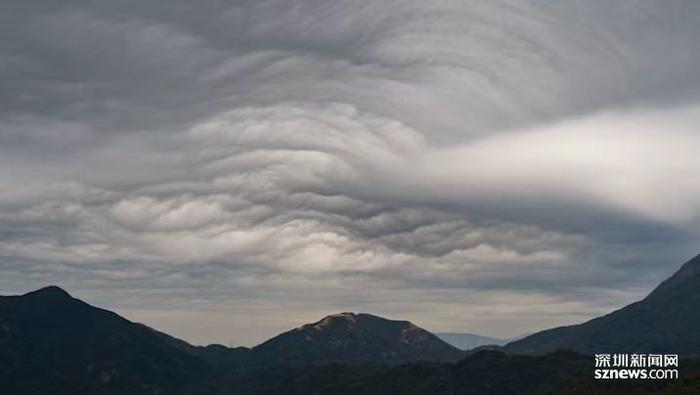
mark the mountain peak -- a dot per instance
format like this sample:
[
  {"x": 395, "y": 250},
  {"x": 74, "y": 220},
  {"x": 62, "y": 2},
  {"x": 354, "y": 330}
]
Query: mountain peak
[
  {"x": 346, "y": 316},
  {"x": 348, "y": 320},
  {"x": 79, "y": 348},
  {"x": 51, "y": 291},
  {"x": 332, "y": 320},
  {"x": 356, "y": 338}
]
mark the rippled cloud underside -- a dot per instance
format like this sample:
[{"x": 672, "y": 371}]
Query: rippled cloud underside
[{"x": 226, "y": 170}]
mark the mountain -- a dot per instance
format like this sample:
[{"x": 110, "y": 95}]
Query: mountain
[
  {"x": 467, "y": 341},
  {"x": 356, "y": 338},
  {"x": 53, "y": 343},
  {"x": 667, "y": 321}
]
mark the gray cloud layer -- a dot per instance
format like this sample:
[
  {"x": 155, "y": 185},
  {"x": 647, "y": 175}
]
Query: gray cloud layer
[{"x": 225, "y": 170}]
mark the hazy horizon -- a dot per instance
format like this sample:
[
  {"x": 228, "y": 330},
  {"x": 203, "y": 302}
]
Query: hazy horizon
[{"x": 227, "y": 171}]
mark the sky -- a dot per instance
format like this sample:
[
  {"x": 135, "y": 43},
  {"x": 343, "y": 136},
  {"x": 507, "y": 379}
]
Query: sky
[{"x": 227, "y": 170}]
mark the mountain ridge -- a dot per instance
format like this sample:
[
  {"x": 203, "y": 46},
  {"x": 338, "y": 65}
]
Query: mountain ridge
[
  {"x": 356, "y": 337},
  {"x": 30, "y": 322},
  {"x": 51, "y": 342},
  {"x": 665, "y": 321}
]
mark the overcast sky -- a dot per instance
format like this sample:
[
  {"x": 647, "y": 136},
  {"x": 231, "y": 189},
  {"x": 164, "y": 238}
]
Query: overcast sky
[{"x": 226, "y": 170}]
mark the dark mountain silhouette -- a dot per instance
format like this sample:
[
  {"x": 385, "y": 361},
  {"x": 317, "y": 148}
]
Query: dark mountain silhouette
[
  {"x": 484, "y": 372},
  {"x": 355, "y": 338},
  {"x": 666, "y": 321},
  {"x": 53, "y": 343}
]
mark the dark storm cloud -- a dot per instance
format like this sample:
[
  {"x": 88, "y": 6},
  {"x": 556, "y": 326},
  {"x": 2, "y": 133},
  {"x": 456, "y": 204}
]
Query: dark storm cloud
[{"x": 398, "y": 157}]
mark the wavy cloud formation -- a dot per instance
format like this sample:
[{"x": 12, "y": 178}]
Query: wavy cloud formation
[{"x": 469, "y": 166}]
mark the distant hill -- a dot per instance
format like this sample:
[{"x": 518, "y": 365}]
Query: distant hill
[
  {"x": 356, "y": 338},
  {"x": 467, "y": 341},
  {"x": 666, "y": 321}
]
